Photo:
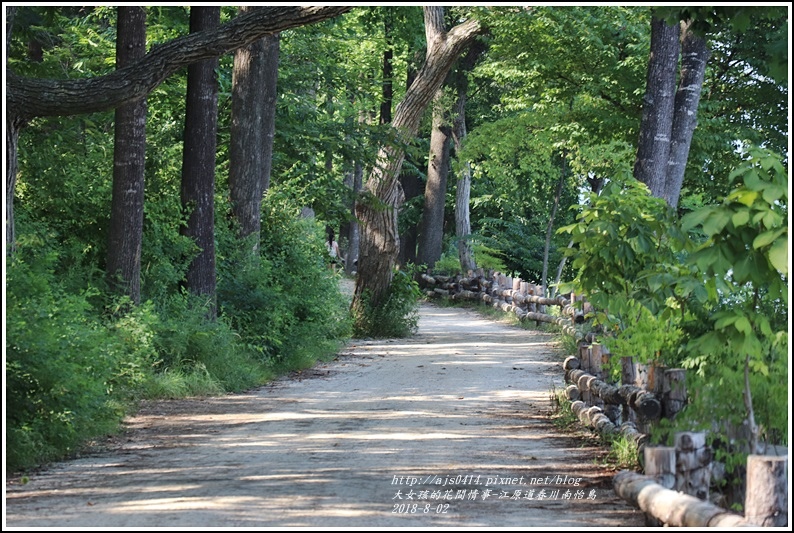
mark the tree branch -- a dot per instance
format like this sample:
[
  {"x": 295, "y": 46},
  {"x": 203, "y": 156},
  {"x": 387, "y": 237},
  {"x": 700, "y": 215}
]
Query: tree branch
[{"x": 27, "y": 98}]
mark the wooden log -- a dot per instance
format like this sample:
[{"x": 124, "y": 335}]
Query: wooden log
[
  {"x": 693, "y": 464},
  {"x": 766, "y": 501},
  {"x": 660, "y": 465},
  {"x": 572, "y": 392},
  {"x": 596, "y": 387},
  {"x": 596, "y": 363},
  {"x": 674, "y": 393},
  {"x": 670, "y": 507},
  {"x": 629, "y": 430},
  {"x": 430, "y": 280},
  {"x": 571, "y": 363},
  {"x": 441, "y": 292},
  {"x": 577, "y": 407},
  {"x": 644, "y": 403},
  {"x": 613, "y": 411},
  {"x": 465, "y": 295},
  {"x": 627, "y": 377}
]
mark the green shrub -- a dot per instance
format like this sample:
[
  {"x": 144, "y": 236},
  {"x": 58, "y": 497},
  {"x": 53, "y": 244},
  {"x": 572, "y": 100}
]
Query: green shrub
[
  {"x": 71, "y": 373},
  {"x": 398, "y": 316}
]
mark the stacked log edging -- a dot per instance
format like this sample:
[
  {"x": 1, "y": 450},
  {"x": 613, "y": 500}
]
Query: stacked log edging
[
  {"x": 674, "y": 489},
  {"x": 511, "y": 295}
]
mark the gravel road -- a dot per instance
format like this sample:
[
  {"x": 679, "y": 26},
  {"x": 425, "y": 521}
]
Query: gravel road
[{"x": 448, "y": 429}]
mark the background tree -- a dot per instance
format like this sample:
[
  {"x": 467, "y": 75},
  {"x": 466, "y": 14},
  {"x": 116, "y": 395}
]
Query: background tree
[
  {"x": 129, "y": 156},
  {"x": 252, "y": 130},
  {"x": 198, "y": 163},
  {"x": 438, "y": 161}
]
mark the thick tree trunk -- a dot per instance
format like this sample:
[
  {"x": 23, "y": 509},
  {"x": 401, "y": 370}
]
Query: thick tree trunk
[
  {"x": 431, "y": 235},
  {"x": 27, "y": 98},
  {"x": 252, "y": 130},
  {"x": 658, "y": 106},
  {"x": 384, "y": 195},
  {"x": 198, "y": 162},
  {"x": 125, "y": 236},
  {"x": 694, "y": 55}
]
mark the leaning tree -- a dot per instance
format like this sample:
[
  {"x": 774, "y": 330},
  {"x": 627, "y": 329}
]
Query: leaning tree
[{"x": 378, "y": 207}]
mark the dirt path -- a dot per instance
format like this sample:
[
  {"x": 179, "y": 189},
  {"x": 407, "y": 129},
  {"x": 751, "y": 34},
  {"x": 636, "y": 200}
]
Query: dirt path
[{"x": 447, "y": 429}]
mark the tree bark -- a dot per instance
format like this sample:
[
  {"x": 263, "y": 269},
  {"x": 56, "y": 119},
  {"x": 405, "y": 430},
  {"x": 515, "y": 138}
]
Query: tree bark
[
  {"x": 463, "y": 189},
  {"x": 388, "y": 69},
  {"x": 669, "y": 119},
  {"x": 550, "y": 227},
  {"x": 432, "y": 226},
  {"x": 383, "y": 193},
  {"x": 656, "y": 127},
  {"x": 125, "y": 235},
  {"x": 252, "y": 130},
  {"x": 353, "y": 232},
  {"x": 694, "y": 55},
  {"x": 31, "y": 97},
  {"x": 198, "y": 163},
  {"x": 27, "y": 98}
]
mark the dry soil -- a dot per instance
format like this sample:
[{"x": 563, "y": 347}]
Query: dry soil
[{"x": 450, "y": 428}]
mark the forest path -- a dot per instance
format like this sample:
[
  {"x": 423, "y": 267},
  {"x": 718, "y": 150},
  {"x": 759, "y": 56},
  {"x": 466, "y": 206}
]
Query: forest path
[{"x": 375, "y": 438}]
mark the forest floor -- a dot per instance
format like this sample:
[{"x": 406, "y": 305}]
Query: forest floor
[{"x": 450, "y": 428}]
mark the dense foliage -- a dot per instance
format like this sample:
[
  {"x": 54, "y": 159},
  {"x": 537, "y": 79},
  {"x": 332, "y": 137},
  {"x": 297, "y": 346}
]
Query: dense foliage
[{"x": 554, "y": 99}]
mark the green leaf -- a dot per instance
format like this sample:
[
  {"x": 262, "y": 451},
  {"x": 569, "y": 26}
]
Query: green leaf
[
  {"x": 716, "y": 221},
  {"x": 740, "y": 218},
  {"x": 742, "y": 325},
  {"x": 772, "y": 193},
  {"x": 726, "y": 321},
  {"x": 695, "y": 218},
  {"x": 753, "y": 181},
  {"x": 778, "y": 255},
  {"x": 766, "y": 238}
]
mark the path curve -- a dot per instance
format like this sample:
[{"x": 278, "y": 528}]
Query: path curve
[{"x": 448, "y": 428}]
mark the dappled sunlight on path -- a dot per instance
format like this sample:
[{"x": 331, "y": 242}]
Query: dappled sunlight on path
[{"x": 447, "y": 428}]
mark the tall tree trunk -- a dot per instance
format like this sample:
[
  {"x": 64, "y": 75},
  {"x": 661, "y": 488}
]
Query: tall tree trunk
[
  {"x": 669, "y": 118},
  {"x": 198, "y": 162},
  {"x": 125, "y": 237},
  {"x": 694, "y": 55},
  {"x": 269, "y": 95},
  {"x": 384, "y": 195},
  {"x": 550, "y": 227},
  {"x": 13, "y": 125},
  {"x": 388, "y": 70},
  {"x": 353, "y": 229},
  {"x": 463, "y": 190},
  {"x": 656, "y": 127},
  {"x": 431, "y": 235},
  {"x": 252, "y": 131},
  {"x": 412, "y": 187}
]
